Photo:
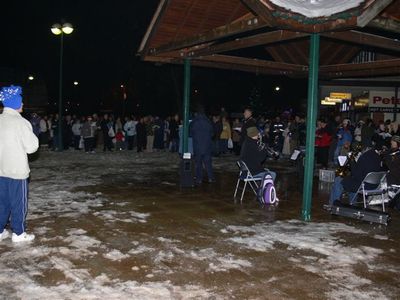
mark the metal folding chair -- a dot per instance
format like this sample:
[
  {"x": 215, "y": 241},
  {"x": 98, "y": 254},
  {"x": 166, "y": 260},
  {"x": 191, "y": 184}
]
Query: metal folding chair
[
  {"x": 377, "y": 179},
  {"x": 247, "y": 178}
]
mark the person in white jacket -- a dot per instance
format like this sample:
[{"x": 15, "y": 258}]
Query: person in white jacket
[{"x": 16, "y": 141}]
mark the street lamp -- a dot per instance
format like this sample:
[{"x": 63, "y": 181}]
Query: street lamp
[
  {"x": 76, "y": 82},
  {"x": 277, "y": 88},
  {"x": 58, "y": 29},
  {"x": 30, "y": 78}
]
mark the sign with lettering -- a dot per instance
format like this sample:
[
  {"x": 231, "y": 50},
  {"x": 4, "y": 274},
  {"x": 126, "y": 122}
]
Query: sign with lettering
[
  {"x": 383, "y": 101},
  {"x": 346, "y": 96}
]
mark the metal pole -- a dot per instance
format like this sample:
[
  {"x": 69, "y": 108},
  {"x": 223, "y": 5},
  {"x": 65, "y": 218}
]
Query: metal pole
[
  {"x": 60, "y": 102},
  {"x": 396, "y": 97},
  {"x": 312, "y": 109},
  {"x": 186, "y": 101}
]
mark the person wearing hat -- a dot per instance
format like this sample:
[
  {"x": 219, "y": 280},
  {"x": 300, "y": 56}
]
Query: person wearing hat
[
  {"x": 392, "y": 161},
  {"x": 253, "y": 155},
  {"x": 17, "y": 140}
]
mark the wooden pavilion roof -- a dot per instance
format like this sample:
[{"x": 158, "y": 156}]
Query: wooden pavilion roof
[{"x": 258, "y": 36}]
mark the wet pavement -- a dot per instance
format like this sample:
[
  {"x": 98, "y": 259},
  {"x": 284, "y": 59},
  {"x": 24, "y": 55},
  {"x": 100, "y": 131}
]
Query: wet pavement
[{"x": 117, "y": 226}]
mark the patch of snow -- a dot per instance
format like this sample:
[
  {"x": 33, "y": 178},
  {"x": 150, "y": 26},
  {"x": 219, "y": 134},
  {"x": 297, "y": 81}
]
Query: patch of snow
[
  {"x": 115, "y": 255},
  {"x": 334, "y": 260},
  {"x": 317, "y": 8}
]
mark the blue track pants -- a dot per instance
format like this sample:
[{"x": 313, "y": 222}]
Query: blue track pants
[{"x": 13, "y": 203}]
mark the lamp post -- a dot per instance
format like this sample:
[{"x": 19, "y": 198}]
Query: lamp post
[{"x": 58, "y": 29}]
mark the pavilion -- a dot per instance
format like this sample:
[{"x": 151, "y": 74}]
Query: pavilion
[{"x": 321, "y": 39}]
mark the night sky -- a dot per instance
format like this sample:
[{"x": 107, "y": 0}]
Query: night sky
[{"x": 101, "y": 55}]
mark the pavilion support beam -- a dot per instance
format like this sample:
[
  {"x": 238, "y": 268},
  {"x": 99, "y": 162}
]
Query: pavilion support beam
[
  {"x": 253, "y": 62},
  {"x": 247, "y": 42},
  {"x": 186, "y": 175},
  {"x": 186, "y": 104},
  {"x": 312, "y": 109},
  {"x": 385, "y": 24},
  {"x": 260, "y": 10},
  {"x": 236, "y": 27},
  {"x": 374, "y": 65},
  {"x": 362, "y": 38},
  {"x": 236, "y": 64},
  {"x": 362, "y": 73},
  {"x": 372, "y": 11}
]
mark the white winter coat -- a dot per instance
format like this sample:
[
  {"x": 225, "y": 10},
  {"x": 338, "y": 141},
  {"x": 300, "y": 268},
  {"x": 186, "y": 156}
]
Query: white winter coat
[{"x": 16, "y": 141}]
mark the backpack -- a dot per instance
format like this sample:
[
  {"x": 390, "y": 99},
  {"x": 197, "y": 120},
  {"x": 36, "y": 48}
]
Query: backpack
[{"x": 266, "y": 193}]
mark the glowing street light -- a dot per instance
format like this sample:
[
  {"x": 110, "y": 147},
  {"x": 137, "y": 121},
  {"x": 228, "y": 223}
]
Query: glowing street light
[
  {"x": 58, "y": 29},
  {"x": 31, "y": 78},
  {"x": 66, "y": 28},
  {"x": 277, "y": 88},
  {"x": 122, "y": 86},
  {"x": 76, "y": 83}
]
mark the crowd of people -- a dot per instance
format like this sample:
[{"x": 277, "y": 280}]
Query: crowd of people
[
  {"x": 112, "y": 133},
  {"x": 334, "y": 137}
]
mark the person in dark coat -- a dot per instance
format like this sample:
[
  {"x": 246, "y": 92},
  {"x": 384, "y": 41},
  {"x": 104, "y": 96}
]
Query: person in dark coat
[
  {"x": 158, "y": 134},
  {"x": 105, "y": 126},
  {"x": 248, "y": 122},
  {"x": 202, "y": 132},
  {"x": 369, "y": 161},
  {"x": 254, "y": 155},
  {"x": 392, "y": 161},
  {"x": 174, "y": 133},
  {"x": 217, "y": 127},
  {"x": 141, "y": 135}
]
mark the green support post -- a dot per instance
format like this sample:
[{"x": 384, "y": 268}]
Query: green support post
[
  {"x": 312, "y": 109},
  {"x": 186, "y": 104},
  {"x": 60, "y": 96}
]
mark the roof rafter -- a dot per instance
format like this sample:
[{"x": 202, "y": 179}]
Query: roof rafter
[
  {"x": 385, "y": 24},
  {"x": 247, "y": 42},
  {"x": 379, "y": 64},
  {"x": 372, "y": 11},
  {"x": 248, "y": 23},
  {"x": 254, "y": 62},
  {"x": 362, "y": 38},
  {"x": 260, "y": 10}
]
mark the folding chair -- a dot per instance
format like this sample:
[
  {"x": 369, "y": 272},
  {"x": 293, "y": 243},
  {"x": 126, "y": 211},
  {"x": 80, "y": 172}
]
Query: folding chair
[
  {"x": 377, "y": 179},
  {"x": 246, "y": 176}
]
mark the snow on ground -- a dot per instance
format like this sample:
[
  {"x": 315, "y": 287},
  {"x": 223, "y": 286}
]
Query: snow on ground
[
  {"x": 316, "y": 248},
  {"x": 317, "y": 8},
  {"x": 91, "y": 245}
]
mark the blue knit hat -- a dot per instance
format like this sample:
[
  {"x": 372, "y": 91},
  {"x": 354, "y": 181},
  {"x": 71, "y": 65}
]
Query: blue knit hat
[{"x": 11, "y": 96}]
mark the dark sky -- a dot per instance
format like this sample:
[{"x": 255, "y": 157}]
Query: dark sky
[{"x": 101, "y": 55}]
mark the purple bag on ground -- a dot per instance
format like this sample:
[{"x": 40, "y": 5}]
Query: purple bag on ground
[{"x": 266, "y": 192}]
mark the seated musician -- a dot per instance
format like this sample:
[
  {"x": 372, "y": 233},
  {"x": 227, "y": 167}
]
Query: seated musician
[
  {"x": 392, "y": 161},
  {"x": 369, "y": 161},
  {"x": 254, "y": 153}
]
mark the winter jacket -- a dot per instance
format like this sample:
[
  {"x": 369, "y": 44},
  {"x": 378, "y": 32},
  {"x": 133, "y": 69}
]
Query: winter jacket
[
  {"x": 369, "y": 161},
  {"x": 16, "y": 141},
  {"x": 226, "y": 133},
  {"x": 345, "y": 136},
  {"x": 392, "y": 161},
  {"x": 76, "y": 128},
  {"x": 130, "y": 128},
  {"x": 253, "y": 156},
  {"x": 250, "y": 122},
  {"x": 323, "y": 138},
  {"x": 87, "y": 130},
  {"x": 202, "y": 133}
]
